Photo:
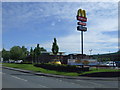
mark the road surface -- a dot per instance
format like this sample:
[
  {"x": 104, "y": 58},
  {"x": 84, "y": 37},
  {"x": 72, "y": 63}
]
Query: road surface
[{"x": 16, "y": 79}]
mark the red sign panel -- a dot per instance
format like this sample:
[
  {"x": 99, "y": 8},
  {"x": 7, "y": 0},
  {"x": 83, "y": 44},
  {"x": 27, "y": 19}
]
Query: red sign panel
[
  {"x": 81, "y": 23},
  {"x": 81, "y": 18}
]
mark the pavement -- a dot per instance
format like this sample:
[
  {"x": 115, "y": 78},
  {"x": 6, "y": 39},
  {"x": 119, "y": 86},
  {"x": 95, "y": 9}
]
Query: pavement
[
  {"x": 15, "y": 79},
  {"x": 66, "y": 77}
]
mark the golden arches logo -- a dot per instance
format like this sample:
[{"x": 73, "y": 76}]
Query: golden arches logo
[{"x": 81, "y": 13}]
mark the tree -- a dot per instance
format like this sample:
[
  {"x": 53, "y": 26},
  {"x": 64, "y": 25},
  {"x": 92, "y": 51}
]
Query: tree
[
  {"x": 24, "y": 52},
  {"x": 55, "y": 47},
  {"x": 42, "y": 49},
  {"x": 38, "y": 52},
  {"x": 16, "y": 53},
  {"x": 5, "y": 55},
  {"x": 32, "y": 53}
]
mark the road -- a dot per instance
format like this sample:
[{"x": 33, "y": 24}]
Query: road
[{"x": 15, "y": 79}]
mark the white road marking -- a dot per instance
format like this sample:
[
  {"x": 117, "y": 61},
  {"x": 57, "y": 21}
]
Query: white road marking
[
  {"x": 43, "y": 86},
  {"x": 90, "y": 82},
  {"x": 2, "y": 73},
  {"x": 20, "y": 78},
  {"x": 72, "y": 83},
  {"x": 60, "y": 80}
]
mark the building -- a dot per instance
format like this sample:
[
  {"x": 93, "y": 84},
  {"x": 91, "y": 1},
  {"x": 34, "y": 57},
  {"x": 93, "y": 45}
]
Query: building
[{"x": 46, "y": 57}]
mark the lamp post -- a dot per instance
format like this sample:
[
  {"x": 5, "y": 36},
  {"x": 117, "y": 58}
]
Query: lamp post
[{"x": 90, "y": 51}]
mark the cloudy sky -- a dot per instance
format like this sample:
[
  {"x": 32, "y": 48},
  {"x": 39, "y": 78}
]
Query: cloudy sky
[{"x": 31, "y": 23}]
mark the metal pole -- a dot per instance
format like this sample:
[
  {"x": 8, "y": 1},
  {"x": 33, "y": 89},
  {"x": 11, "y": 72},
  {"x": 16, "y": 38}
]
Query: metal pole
[{"x": 82, "y": 43}]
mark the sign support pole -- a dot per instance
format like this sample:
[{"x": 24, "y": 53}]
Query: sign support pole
[{"x": 82, "y": 43}]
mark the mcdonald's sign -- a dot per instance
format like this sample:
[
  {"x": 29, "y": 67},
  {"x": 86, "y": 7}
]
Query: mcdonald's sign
[
  {"x": 81, "y": 23},
  {"x": 81, "y": 28},
  {"x": 81, "y": 15}
]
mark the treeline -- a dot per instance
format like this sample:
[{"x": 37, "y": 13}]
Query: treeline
[
  {"x": 108, "y": 57},
  {"x": 20, "y": 53}
]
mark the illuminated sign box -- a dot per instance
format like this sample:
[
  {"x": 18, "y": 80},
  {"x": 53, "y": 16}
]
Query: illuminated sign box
[
  {"x": 81, "y": 28},
  {"x": 81, "y": 18},
  {"x": 81, "y": 23}
]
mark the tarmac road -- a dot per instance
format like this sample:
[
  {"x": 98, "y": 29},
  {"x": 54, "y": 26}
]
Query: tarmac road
[{"x": 16, "y": 79}]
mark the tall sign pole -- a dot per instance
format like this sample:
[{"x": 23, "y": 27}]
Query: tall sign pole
[{"x": 81, "y": 17}]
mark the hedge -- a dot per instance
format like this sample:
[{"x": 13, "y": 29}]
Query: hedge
[{"x": 62, "y": 68}]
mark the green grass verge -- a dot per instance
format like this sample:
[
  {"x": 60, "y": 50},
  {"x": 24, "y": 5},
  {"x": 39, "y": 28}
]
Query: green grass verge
[
  {"x": 95, "y": 70},
  {"x": 42, "y": 70},
  {"x": 38, "y": 69}
]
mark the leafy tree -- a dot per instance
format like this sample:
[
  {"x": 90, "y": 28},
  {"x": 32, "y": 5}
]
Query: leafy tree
[
  {"x": 38, "y": 52},
  {"x": 5, "y": 55},
  {"x": 55, "y": 47},
  {"x": 16, "y": 53},
  {"x": 32, "y": 53},
  {"x": 42, "y": 49},
  {"x": 24, "y": 52}
]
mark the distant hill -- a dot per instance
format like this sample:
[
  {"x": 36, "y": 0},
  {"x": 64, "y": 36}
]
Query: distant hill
[
  {"x": 108, "y": 56},
  {"x": 115, "y": 53}
]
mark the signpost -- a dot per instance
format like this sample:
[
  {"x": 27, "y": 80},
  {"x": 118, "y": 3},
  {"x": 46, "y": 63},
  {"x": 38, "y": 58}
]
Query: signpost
[{"x": 81, "y": 17}]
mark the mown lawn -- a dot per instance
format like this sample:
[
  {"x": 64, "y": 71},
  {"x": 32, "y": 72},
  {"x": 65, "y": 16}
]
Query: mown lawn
[
  {"x": 38, "y": 69},
  {"x": 42, "y": 70}
]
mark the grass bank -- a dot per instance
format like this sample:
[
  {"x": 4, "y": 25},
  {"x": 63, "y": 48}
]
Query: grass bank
[
  {"x": 38, "y": 69},
  {"x": 42, "y": 70}
]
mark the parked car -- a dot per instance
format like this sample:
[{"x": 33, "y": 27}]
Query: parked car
[
  {"x": 109, "y": 63},
  {"x": 19, "y": 61},
  {"x": 117, "y": 63},
  {"x": 11, "y": 61}
]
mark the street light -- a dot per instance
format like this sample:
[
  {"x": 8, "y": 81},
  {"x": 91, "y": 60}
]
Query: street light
[{"x": 90, "y": 51}]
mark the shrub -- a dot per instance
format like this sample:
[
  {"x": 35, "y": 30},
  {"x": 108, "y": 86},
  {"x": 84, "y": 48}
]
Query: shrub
[{"x": 62, "y": 68}]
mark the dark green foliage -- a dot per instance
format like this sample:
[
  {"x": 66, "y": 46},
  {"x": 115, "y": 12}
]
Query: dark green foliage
[
  {"x": 5, "y": 55},
  {"x": 25, "y": 53},
  {"x": 16, "y": 53},
  {"x": 35, "y": 54},
  {"x": 38, "y": 51},
  {"x": 31, "y": 52},
  {"x": 62, "y": 68},
  {"x": 108, "y": 56},
  {"x": 55, "y": 47},
  {"x": 42, "y": 49}
]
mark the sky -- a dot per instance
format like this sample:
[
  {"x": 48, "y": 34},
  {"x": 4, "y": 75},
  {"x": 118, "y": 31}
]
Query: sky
[{"x": 30, "y": 23}]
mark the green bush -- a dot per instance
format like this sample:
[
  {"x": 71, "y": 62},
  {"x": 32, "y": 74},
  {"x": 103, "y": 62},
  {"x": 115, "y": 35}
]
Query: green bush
[{"x": 62, "y": 68}]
